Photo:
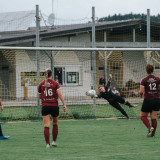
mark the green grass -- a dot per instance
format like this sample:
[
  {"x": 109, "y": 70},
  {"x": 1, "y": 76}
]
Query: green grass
[
  {"x": 73, "y": 112},
  {"x": 81, "y": 140}
]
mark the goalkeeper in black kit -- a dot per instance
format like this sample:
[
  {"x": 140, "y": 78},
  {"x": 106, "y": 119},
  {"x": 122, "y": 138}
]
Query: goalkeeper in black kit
[{"x": 113, "y": 99}]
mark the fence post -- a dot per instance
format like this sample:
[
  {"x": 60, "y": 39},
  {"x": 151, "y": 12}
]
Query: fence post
[
  {"x": 105, "y": 57},
  {"x": 38, "y": 56},
  {"x": 148, "y": 35},
  {"x": 93, "y": 59},
  {"x": 134, "y": 35},
  {"x": 52, "y": 64}
]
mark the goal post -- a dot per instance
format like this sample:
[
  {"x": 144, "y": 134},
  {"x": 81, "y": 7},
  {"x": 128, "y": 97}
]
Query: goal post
[{"x": 73, "y": 67}]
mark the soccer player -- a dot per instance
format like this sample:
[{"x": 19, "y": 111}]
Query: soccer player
[
  {"x": 113, "y": 99},
  {"x": 2, "y": 137},
  {"x": 49, "y": 91},
  {"x": 151, "y": 104}
]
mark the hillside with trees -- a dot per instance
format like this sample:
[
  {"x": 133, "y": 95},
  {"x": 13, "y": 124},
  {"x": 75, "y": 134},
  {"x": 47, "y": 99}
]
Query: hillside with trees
[{"x": 117, "y": 17}]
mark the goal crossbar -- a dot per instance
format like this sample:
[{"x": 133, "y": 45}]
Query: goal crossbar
[{"x": 77, "y": 49}]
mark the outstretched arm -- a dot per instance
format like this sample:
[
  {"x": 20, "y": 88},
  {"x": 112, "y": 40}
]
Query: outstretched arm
[
  {"x": 109, "y": 81},
  {"x": 98, "y": 95},
  {"x": 95, "y": 96},
  {"x": 108, "y": 84},
  {"x": 62, "y": 99},
  {"x": 110, "y": 78}
]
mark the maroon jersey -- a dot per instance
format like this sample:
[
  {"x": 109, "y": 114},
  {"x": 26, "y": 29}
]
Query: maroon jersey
[
  {"x": 151, "y": 84},
  {"x": 50, "y": 96}
]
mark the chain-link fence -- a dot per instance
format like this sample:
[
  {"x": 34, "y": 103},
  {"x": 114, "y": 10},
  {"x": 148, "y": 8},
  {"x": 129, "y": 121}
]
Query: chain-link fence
[{"x": 74, "y": 72}]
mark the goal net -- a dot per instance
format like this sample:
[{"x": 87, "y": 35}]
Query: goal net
[{"x": 77, "y": 71}]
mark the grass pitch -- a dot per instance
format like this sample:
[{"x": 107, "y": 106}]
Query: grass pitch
[
  {"x": 111, "y": 139},
  {"x": 14, "y": 113}
]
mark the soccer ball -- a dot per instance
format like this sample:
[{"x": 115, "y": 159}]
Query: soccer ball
[
  {"x": 110, "y": 76},
  {"x": 91, "y": 93}
]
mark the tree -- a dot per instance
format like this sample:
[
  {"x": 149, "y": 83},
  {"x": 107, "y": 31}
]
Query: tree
[{"x": 119, "y": 16}]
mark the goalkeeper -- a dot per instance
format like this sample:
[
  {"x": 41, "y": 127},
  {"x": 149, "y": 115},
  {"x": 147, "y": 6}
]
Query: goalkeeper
[{"x": 113, "y": 99}]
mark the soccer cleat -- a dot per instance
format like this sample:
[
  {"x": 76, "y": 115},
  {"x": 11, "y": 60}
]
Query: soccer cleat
[
  {"x": 128, "y": 118},
  {"x": 4, "y": 137},
  {"x": 150, "y": 130},
  {"x": 133, "y": 106},
  {"x": 152, "y": 136},
  {"x": 48, "y": 146},
  {"x": 54, "y": 144}
]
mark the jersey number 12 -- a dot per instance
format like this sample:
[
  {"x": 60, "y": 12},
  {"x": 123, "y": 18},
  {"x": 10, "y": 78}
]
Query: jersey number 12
[{"x": 152, "y": 86}]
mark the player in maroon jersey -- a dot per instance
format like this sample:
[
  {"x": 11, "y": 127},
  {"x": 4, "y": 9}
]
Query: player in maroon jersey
[
  {"x": 151, "y": 104},
  {"x": 49, "y": 91}
]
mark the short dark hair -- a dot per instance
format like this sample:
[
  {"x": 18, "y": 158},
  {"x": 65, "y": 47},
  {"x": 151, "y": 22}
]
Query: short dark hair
[
  {"x": 101, "y": 85},
  {"x": 149, "y": 68},
  {"x": 48, "y": 73}
]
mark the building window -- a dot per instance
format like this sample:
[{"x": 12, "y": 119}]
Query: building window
[
  {"x": 58, "y": 73},
  {"x": 72, "y": 77},
  {"x": 101, "y": 68}
]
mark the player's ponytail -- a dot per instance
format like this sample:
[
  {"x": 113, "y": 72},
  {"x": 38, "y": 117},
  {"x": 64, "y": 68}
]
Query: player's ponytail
[{"x": 48, "y": 73}]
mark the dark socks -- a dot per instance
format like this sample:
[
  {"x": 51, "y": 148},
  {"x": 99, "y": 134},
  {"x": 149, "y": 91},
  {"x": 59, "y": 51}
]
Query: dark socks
[
  {"x": 154, "y": 125},
  {"x": 118, "y": 107},
  {"x": 124, "y": 113},
  {"x": 128, "y": 104},
  {"x": 146, "y": 121},
  {"x": 55, "y": 132},
  {"x": 46, "y": 135}
]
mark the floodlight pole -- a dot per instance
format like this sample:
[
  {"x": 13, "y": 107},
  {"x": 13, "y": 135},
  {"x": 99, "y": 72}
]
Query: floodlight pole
[
  {"x": 93, "y": 59},
  {"x": 38, "y": 56}
]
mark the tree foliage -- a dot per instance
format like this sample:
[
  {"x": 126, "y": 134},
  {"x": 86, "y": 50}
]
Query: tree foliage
[{"x": 117, "y": 17}]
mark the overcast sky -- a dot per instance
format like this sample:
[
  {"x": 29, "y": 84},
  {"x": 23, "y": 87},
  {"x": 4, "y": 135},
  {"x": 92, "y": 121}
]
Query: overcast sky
[{"x": 77, "y": 9}]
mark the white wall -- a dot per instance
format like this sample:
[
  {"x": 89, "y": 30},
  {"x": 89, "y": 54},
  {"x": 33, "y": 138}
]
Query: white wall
[
  {"x": 134, "y": 66},
  {"x": 25, "y": 64}
]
